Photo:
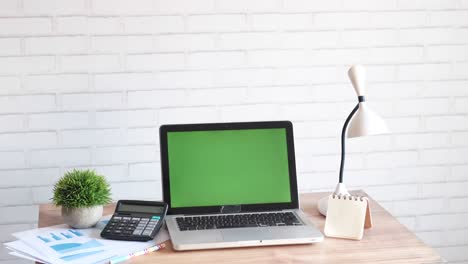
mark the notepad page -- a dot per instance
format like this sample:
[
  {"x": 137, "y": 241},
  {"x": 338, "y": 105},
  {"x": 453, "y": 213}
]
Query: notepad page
[{"x": 345, "y": 217}]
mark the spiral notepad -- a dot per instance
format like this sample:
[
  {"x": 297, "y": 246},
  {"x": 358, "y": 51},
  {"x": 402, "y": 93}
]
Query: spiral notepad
[{"x": 347, "y": 216}]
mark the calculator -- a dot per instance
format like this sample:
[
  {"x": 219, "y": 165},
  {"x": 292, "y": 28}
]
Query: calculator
[{"x": 135, "y": 220}]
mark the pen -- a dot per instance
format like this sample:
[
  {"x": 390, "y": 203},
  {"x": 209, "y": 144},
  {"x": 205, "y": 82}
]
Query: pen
[{"x": 136, "y": 254}]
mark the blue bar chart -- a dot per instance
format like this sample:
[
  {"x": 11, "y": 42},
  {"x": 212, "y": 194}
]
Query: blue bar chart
[{"x": 57, "y": 236}]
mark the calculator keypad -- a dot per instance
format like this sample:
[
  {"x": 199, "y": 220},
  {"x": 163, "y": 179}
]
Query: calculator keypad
[{"x": 131, "y": 226}]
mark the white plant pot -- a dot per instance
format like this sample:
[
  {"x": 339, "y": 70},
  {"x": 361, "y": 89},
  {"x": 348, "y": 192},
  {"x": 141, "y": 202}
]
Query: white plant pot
[{"x": 82, "y": 217}]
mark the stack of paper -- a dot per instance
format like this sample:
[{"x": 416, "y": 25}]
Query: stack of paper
[{"x": 62, "y": 244}]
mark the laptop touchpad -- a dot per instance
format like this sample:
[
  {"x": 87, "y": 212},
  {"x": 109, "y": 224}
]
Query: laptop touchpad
[{"x": 243, "y": 234}]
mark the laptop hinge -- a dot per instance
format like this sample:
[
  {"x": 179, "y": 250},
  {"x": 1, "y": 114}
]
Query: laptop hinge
[{"x": 230, "y": 209}]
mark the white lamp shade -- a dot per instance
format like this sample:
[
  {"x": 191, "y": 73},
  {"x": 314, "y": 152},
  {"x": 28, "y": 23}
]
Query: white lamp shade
[{"x": 366, "y": 122}]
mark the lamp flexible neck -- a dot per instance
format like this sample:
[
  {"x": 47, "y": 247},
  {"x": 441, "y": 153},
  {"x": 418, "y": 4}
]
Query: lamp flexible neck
[{"x": 343, "y": 137}]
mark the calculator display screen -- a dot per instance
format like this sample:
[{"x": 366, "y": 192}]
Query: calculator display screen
[{"x": 137, "y": 208}]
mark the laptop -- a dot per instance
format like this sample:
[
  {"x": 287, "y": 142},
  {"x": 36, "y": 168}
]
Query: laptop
[{"x": 232, "y": 185}]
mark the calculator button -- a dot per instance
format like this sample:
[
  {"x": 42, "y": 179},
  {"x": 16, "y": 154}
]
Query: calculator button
[
  {"x": 147, "y": 233},
  {"x": 136, "y": 218},
  {"x": 137, "y": 232},
  {"x": 117, "y": 218},
  {"x": 127, "y": 218}
]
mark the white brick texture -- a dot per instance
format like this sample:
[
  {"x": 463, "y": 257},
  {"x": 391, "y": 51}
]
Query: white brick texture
[{"x": 87, "y": 83}]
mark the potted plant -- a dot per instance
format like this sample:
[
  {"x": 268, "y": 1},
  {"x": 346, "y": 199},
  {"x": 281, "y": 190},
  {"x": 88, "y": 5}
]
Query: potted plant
[{"x": 81, "y": 193}]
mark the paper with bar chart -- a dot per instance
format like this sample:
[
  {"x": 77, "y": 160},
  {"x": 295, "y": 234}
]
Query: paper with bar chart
[{"x": 64, "y": 245}]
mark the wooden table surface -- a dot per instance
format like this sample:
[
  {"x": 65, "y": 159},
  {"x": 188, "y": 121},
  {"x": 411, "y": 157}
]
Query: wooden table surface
[{"x": 387, "y": 241}]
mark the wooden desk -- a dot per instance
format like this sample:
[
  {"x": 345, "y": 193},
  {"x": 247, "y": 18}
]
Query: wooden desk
[{"x": 387, "y": 242}]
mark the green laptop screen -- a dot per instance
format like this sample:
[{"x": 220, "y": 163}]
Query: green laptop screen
[{"x": 228, "y": 167}]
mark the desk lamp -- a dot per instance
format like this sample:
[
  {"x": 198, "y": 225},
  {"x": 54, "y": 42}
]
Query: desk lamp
[{"x": 362, "y": 121}]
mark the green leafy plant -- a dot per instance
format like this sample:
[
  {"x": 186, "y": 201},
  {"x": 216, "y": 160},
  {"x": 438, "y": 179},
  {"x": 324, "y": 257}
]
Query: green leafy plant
[{"x": 81, "y": 188}]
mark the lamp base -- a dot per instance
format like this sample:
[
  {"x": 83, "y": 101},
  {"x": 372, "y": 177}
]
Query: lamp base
[{"x": 322, "y": 204}]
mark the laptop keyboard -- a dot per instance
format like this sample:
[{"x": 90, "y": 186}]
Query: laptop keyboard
[{"x": 236, "y": 221}]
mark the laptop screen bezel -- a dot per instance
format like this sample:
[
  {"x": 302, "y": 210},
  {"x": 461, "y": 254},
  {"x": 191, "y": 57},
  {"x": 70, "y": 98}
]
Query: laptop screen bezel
[{"x": 287, "y": 125}]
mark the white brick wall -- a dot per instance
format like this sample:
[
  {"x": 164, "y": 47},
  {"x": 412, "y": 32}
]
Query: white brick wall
[{"x": 86, "y": 84}]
